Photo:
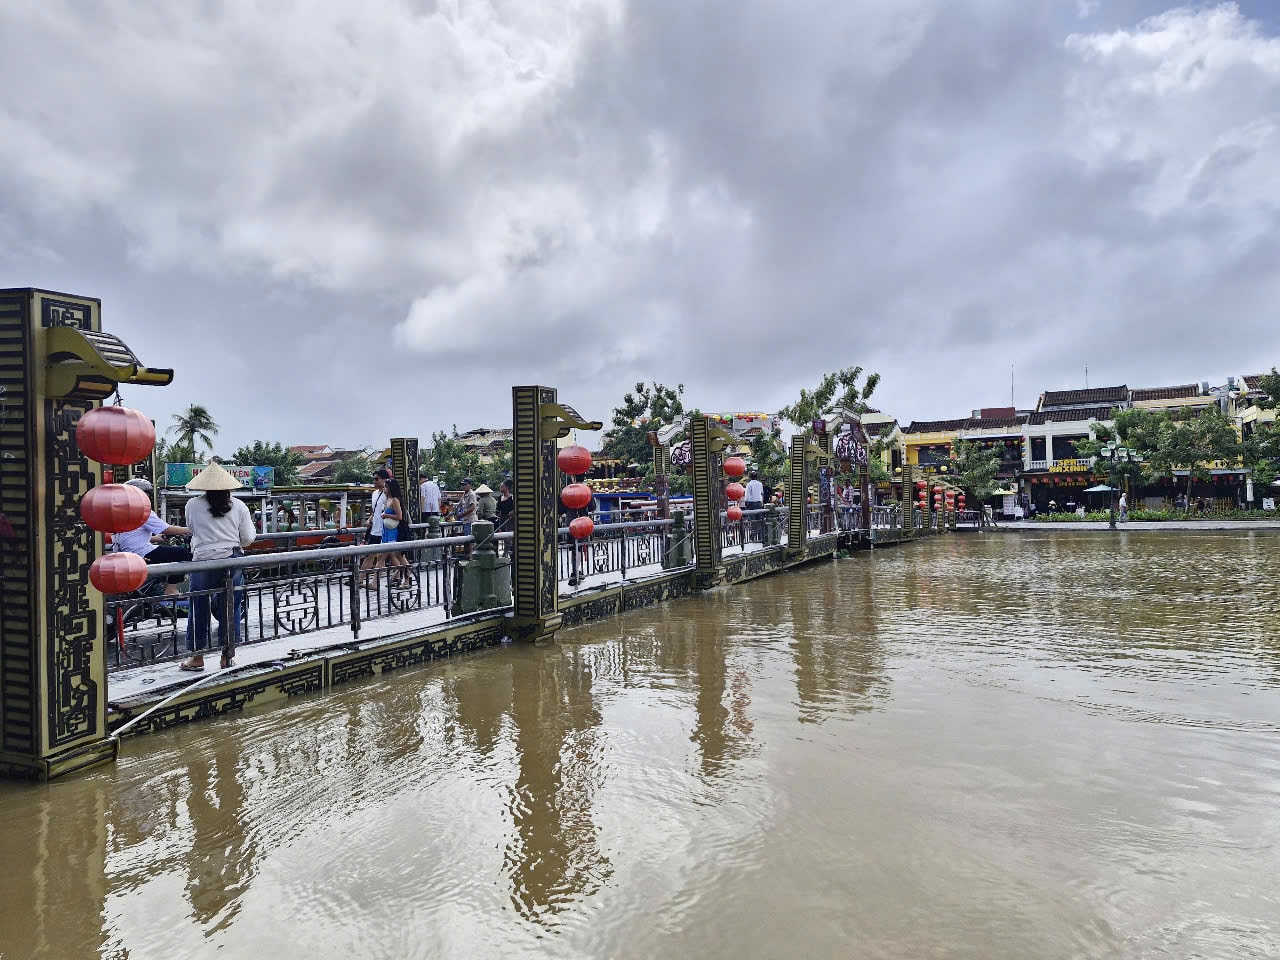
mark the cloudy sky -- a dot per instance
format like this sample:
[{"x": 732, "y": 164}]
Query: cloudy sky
[{"x": 342, "y": 222}]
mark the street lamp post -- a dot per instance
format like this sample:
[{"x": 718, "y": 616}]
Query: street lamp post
[{"x": 1115, "y": 455}]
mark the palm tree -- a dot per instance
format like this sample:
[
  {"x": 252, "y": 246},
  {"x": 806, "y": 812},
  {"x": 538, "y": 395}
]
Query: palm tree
[{"x": 195, "y": 423}]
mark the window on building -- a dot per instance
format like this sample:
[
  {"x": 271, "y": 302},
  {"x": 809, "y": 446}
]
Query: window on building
[
  {"x": 1064, "y": 448},
  {"x": 1038, "y": 448}
]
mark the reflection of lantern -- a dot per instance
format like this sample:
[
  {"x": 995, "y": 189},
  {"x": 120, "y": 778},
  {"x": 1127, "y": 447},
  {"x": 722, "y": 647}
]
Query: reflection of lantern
[
  {"x": 575, "y": 496},
  {"x": 118, "y": 572},
  {"x": 735, "y": 466},
  {"x": 734, "y": 512},
  {"x": 735, "y": 491},
  {"x": 574, "y": 460},
  {"x": 581, "y": 528},
  {"x": 116, "y": 435},
  {"x": 115, "y": 508}
]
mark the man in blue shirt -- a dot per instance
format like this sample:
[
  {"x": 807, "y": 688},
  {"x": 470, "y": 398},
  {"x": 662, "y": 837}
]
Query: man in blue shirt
[{"x": 141, "y": 541}]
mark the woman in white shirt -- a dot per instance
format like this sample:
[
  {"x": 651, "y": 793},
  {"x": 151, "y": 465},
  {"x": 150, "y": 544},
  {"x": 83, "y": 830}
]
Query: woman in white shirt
[{"x": 221, "y": 527}]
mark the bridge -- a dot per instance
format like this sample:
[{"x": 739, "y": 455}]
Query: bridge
[{"x": 79, "y": 669}]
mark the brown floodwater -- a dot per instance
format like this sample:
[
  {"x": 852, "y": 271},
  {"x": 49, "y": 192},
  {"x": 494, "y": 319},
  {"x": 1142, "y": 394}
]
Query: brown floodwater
[{"x": 1022, "y": 746}]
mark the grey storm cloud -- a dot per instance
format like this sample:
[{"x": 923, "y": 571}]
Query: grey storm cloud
[{"x": 344, "y": 224}]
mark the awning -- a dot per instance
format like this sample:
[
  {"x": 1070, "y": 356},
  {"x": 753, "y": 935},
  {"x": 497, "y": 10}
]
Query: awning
[
  {"x": 1004, "y": 493},
  {"x": 1100, "y": 488}
]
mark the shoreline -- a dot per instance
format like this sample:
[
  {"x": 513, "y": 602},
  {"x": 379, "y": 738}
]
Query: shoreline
[{"x": 1090, "y": 526}]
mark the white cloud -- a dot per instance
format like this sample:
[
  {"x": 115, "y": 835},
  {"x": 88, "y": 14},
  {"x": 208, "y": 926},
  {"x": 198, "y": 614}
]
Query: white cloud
[{"x": 736, "y": 196}]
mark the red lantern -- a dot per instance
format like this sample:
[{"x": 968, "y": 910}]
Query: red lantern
[
  {"x": 735, "y": 491},
  {"x": 118, "y": 572},
  {"x": 115, "y": 508},
  {"x": 735, "y": 466},
  {"x": 581, "y": 528},
  {"x": 734, "y": 512},
  {"x": 575, "y": 496},
  {"x": 920, "y": 485},
  {"x": 118, "y": 435},
  {"x": 574, "y": 460}
]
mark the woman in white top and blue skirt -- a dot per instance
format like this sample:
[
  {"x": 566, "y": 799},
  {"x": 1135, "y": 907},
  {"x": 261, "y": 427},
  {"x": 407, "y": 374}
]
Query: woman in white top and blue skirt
[{"x": 221, "y": 527}]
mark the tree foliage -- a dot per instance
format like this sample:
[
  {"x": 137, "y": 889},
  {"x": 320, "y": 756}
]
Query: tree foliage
[
  {"x": 451, "y": 461},
  {"x": 263, "y": 454},
  {"x": 974, "y": 468},
  {"x": 769, "y": 456},
  {"x": 1270, "y": 386},
  {"x": 837, "y": 389},
  {"x": 353, "y": 468},
  {"x": 647, "y": 407},
  {"x": 1168, "y": 441},
  {"x": 174, "y": 451},
  {"x": 192, "y": 424}
]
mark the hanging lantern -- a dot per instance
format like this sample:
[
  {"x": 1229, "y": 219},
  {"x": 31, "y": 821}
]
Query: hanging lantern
[
  {"x": 735, "y": 491},
  {"x": 581, "y": 528},
  {"x": 735, "y": 466},
  {"x": 575, "y": 496},
  {"x": 574, "y": 460},
  {"x": 118, "y": 572},
  {"x": 921, "y": 485},
  {"x": 117, "y": 435},
  {"x": 734, "y": 512},
  {"x": 115, "y": 508}
]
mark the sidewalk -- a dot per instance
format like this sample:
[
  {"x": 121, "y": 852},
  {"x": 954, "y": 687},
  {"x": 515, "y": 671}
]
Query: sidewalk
[{"x": 1137, "y": 526}]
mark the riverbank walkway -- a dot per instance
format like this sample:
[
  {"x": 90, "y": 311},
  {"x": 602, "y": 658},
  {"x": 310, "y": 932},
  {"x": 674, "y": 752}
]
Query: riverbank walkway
[{"x": 1139, "y": 526}]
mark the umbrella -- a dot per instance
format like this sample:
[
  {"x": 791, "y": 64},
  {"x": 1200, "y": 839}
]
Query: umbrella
[
  {"x": 1100, "y": 488},
  {"x": 1004, "y": 493}
]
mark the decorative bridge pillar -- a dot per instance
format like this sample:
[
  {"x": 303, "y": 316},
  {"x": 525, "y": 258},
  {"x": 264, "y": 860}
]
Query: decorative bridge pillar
[
  {"x": 798, "y": 495},
  {"x": 908, "y": 500},
  {"x": 538, "y": 421},
  {"x": 55, "y": 365},
  {"x": 404, "y": 467},
  {"x": 707, "y": 443},
  {"x": 662, "y": 478}
]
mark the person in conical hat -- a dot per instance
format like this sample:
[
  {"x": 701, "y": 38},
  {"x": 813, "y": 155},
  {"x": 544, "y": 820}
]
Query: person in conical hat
[
  {"x": 221, "y": 527},
  {"x": 486, "y": 504}
]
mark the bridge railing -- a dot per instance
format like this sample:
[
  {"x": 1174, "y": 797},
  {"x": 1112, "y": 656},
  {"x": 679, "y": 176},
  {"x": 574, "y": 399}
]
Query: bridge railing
[
  {"x": 628, "y": 548},
  {"x": 762, "y": 526},
  {"x": 283, "y": 595}
]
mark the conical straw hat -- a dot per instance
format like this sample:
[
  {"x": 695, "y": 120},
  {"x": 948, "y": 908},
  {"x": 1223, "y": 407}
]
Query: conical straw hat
[{"x": 214, "y": 477}]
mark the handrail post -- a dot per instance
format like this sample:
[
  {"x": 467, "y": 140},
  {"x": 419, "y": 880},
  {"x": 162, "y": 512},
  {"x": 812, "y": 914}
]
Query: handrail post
[
  {"x": 230, "y": 623},
  {"x": 623, "y": 531},
  {"x": 353, "y": 585}
]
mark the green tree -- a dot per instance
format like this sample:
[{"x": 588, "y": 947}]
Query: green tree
[
  {"x": 353, "y": 468},
  {"x": 1168, "y": 441},
  {"x": 647, "y": 407},
  {"x": 174, "y": 451},
  {"x": 192, "y": 424},
  {"x": 262, "y": 454},
  {"x": 838, "y": 389},
  {"x": 1270, "y": 386},
  {"x": 769, "y": 456},
  {"x": 1261, "y": 455},
  {"x": 974, "y": 468},
  {"x": 451, "y": 460},
  {"x": 875, "y": 461}
]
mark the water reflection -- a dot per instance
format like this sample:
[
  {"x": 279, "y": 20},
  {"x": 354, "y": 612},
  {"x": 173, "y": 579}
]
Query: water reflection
[{"x": 981, "y": 746}]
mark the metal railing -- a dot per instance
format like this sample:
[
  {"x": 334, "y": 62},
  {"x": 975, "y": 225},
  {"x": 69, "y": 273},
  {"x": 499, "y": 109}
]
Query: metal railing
[
  {"x": 275, "y": 596},
  {"x": 614, "y": 548},
  {"x": 762, "y": 526}
]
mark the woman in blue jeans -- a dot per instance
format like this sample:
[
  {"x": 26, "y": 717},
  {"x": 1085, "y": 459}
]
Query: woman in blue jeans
[{"x": 221, "y": 527}]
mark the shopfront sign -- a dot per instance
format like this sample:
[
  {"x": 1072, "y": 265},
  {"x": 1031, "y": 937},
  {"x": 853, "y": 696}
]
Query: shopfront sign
[
  {"x": 254, "y": 478},
  {"x": 1070, "y": 466}
]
